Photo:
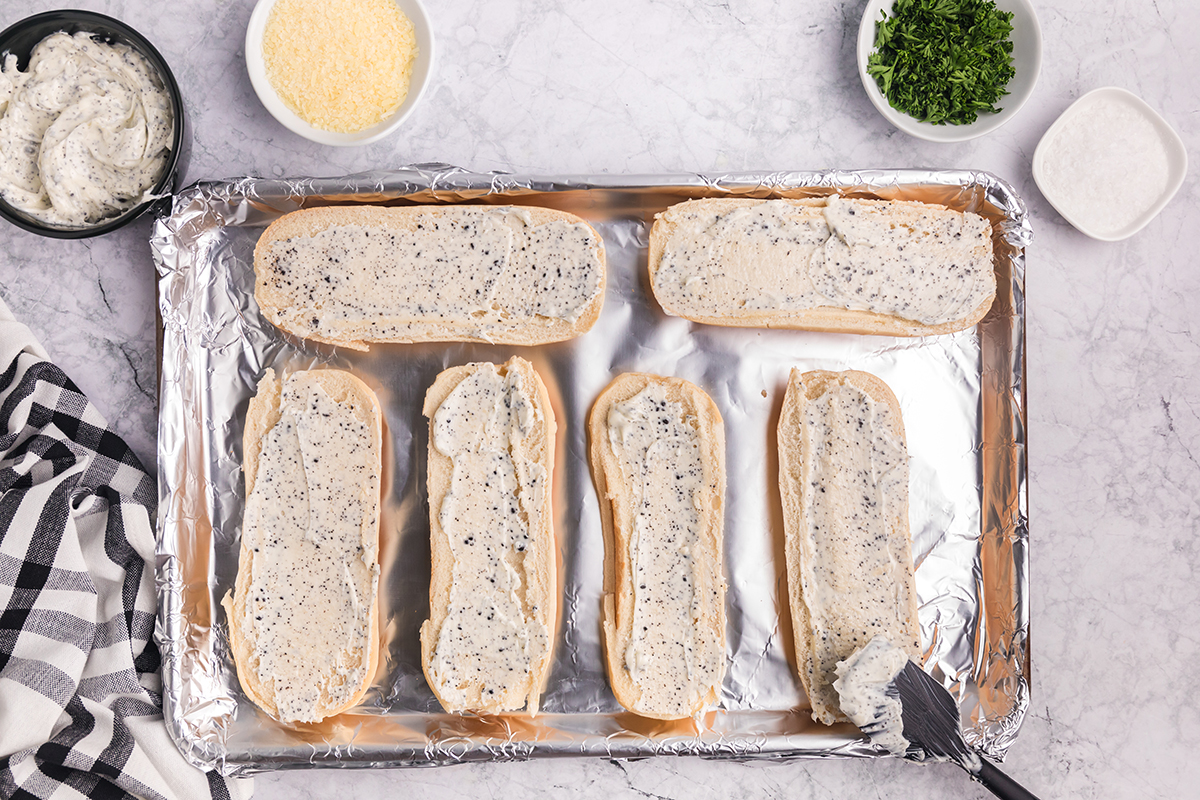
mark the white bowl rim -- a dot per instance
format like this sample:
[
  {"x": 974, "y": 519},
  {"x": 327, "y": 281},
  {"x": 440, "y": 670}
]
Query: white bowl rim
[
  {"x": 1171, "y": 139},
  {"x": 948, "y": 133},
  {"x": 421, "y": 73}
]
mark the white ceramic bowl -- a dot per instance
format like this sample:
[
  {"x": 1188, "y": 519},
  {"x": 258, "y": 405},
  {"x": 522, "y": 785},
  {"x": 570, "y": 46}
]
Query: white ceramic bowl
[
  {"x": 1027, "y": 62},
  {"x": 421, "y": 71},
  {"x": 1109, "y": 164}
]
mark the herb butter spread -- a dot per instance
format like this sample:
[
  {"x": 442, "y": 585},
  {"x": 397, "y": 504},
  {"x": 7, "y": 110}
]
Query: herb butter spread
[
  {"x": 909, "y": 260},
  {"x": 857, "y": 478},
  {"x": 862, "y": 683},
  {"x": 310, "y": 523},
  {"x": 492, "y": 634},
  {"x": 84, "y": 133},
  {"x": 658, "y": 448},
  {"x": 844, "y": 482},
  {"x": 479, "y": 271}
]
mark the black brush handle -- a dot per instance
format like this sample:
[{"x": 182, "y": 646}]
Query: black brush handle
[{"x": 1000, "y": 784}]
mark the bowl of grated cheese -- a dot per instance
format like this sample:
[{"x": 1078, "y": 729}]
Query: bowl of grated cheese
[{"x": 339, "y": 72}]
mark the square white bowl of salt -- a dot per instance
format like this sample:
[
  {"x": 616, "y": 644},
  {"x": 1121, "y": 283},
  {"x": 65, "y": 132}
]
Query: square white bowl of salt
[{"x": 1109, "y": 164}]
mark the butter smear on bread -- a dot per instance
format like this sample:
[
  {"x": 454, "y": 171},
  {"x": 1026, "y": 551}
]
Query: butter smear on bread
[
  {"x": 893, "y": 268},
  {"x": 303, "y": 618}
]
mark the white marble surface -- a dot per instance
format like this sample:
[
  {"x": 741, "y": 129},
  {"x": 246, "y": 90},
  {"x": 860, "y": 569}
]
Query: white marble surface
[{"x": 646, "y": 86}]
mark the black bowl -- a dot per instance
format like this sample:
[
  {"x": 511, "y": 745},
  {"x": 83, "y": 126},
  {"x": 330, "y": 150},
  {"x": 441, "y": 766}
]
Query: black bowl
[{"x": 20, "y": 39}]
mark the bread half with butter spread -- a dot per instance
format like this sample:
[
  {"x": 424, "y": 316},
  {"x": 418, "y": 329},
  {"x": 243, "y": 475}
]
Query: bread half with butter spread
[
  {"x": 303, "y": 618},
  {"x": 657, "y": 452},
  {"x": 887, "y": 267},
  {"x": 356, "y": 275},
  {"x": 493, "y": 592},
  {"x": 843, "y": 465}
]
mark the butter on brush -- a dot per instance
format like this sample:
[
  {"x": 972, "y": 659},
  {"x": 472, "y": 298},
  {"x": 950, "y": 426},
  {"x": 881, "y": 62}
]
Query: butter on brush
[
  {"x": 843, "y": 475},
  {"x": 356, "y": 275},
  {"x": 487, "y": 645},
  {"x": 895, "y": 268},
  {"x": 303, "y": 622},
  {"x": 657, "y": 454}
]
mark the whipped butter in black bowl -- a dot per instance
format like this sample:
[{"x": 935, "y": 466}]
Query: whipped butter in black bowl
[{"x": 92, "y": 127}]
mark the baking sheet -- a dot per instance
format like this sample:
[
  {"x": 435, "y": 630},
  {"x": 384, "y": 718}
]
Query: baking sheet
[{"x": 962, "y": 397}]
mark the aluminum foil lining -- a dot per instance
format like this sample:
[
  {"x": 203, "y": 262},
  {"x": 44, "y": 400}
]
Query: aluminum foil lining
[{"x": 962, "y": 397}]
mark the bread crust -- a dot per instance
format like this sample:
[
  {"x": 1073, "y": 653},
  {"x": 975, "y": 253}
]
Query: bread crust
[
  {"x": 828, "y": 319},
  {"x": 541, "y": 580},
  {"x": 793, "y": 455},
  {"x": 617, "y": 517},
  {"x": 274, "y": 302},
  {"x": 262, "y": 415}
]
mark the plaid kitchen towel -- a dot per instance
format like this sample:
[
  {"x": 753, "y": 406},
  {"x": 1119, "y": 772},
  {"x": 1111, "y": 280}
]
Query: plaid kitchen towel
[{"x": 80, "y": 691}]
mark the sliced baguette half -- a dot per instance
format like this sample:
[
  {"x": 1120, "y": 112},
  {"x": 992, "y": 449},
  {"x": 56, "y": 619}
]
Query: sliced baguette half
[
  {"x": 487, "y": 645},
  {"x": 303, "y": 618},
  {"x": 356, "y": 275},
  {"x": 823, "y": 264},
  {"x": 657, "y": 452},
  {"x": 843, "y": 466}
]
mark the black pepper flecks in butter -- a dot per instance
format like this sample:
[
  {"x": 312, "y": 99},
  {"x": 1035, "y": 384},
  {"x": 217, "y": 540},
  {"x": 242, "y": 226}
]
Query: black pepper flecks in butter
[
  {"x": 853, "y": 491},
  {"x": 492, "y": 634},
  {"x": 658, "y": 448},
  {"x": 922, "y": 263},
  {"x": 312, "y": 584},
  {"x": 85, "y": 131},
  {"x": 479, "y": 269}
]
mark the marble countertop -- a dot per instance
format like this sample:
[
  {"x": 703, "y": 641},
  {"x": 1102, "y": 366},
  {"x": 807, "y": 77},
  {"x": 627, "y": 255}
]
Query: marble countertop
[{"x": 638, "y": 86}]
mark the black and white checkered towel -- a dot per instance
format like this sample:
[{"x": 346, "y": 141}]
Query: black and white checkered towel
[{"x": 80, "y": 692}]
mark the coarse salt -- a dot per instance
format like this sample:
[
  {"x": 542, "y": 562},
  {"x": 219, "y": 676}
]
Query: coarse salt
[{"x": 1106, "y": 165}]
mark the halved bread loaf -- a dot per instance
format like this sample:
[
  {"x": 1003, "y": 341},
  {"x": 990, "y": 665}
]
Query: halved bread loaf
[
  {"x": 354, "y": 275},
  {"x": 303, "y": 621},
  {"x": 843, "y": 475},
  {"x": 895, "y": 268},
  {"x": 487, "y": 645},
  {"x": 657, "y": 453}
]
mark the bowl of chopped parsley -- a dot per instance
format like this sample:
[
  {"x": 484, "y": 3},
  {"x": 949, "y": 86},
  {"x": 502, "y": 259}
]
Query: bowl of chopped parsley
[{"x": 949, "y": 70}]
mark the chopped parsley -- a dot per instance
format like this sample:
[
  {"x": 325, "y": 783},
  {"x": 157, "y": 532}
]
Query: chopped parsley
[{"x": 943, "y": 61}]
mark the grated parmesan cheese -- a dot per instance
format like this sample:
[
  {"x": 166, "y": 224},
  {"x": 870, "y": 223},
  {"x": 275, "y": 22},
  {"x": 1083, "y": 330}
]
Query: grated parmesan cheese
[{"x": 341, "y": 65}]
